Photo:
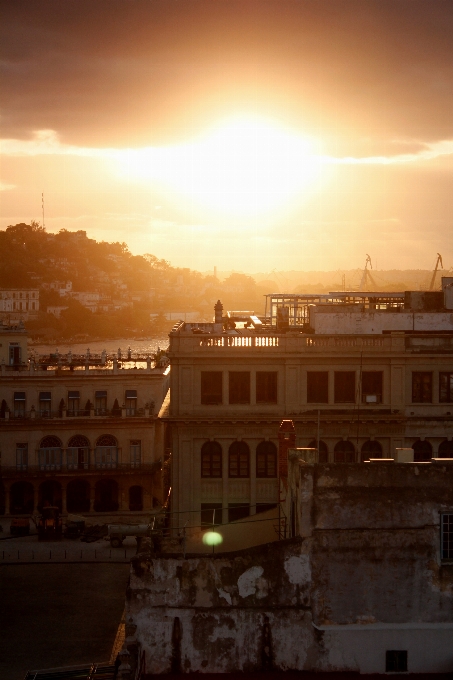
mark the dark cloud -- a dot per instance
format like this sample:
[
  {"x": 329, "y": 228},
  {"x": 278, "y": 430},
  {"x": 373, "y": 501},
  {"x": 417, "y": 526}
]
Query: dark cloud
[{"x": 150, "y": 71}]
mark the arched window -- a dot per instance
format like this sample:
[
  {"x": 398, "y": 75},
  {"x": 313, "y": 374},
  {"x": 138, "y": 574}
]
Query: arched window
[
  {"x": 422, "y": 451},
  {"x": 323, "y": 453},
  {"x": 446, "y": 449},
  {"x": 106, "y": 452},
  {"x": 371, "y": 449},
  {"x": 135, "y": 498},
  {"x": 78, "y": 453},
  {"x": 239, "y": 460},
  {"x": 50, "y": 442},
  {"x": 344, "y": 452},
  {"x": 211, "y": 459},
  {"x": 50, "y": 453},
  {"x": 266, "y": 459}
]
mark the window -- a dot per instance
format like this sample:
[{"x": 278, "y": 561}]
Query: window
[
  {"x": 344, "y": 452},
  {"x": 78, "y": 453},
  {"x": 422, "y": 388},
  {"x": 21, "y": 456},
  {"x": 239, "y": 460},
  {"x": 106, "y": 452},
  {"x": 344, "y": 387},
  {"x": 136, "y": 498},
  {"x": 266, "y": 387},
  {"x": 317, "y": 387},
  {"x": 372, "y": 387},
  {"x": 237, "y": 511},
  {"x": 445, "y": 388},
  {"x": 131, "y": 402},
  {"x": 210, "y": 511},
  {"x": 15, "y": 354},
  {"x": 422, "y": 451},
  {"x": 19, "y": 404},
  {"x": 239, "y": 387},
  {"x": 73, "y": 403},
  {"x": 100, "y": 402},
  {"x": 45, "y": 400},
  {"x": 446, "y": 536},
  {"x": 266, "y": 460},
  {"x": 211, "y": 459},
  {"x": 396, "y": 661},
  {"x": 136, "y": 452},
  {"x": 323, "y": 451},
  {"x": 211, "y": 387},
  {"x": 371, "y": 449}
]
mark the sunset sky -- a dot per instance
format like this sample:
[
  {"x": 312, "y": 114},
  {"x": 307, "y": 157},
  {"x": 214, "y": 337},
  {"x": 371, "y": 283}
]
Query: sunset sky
[{"x": 246, "y": 135}]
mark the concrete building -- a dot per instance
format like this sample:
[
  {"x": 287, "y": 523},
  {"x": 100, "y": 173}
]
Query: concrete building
[
  {"x": 20, "y": 302},
  {"x": 81, "y": 433},
  {"x": 364, "y": 584},
  {"x": 353, "y": 395}
]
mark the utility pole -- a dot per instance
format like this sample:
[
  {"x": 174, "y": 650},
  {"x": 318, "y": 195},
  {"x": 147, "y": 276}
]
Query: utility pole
[{"x": 42, "y": 202}]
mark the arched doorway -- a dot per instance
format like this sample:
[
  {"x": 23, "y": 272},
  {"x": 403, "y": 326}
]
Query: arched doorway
[
  {"x": 323, "y": 452},
  {"x": 106, "y": 496},
  {"x": 50, "y": 453},
  {"x": 446, "y": 449},
  {"x": 423, "y": 451},
  {"x": 78, "y": 453},
  {"x": 50, "y": 494},
  {"x": 78, "y": 496},
  {"x": 344, "y": 452},
  {"x": 21, "y": 498},
  {"x": 136, "y": 498},
  {"x": 106, "y": 452},
  {"x": 371, "y": 449}
]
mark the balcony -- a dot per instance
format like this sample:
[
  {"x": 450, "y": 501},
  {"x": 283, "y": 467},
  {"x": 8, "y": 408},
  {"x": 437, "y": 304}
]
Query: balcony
[
  {"x": 47, "y": 414},
  {"x": 72, "y": 469}
]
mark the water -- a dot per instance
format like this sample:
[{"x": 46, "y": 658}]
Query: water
[{"x": 142, "y": 346}]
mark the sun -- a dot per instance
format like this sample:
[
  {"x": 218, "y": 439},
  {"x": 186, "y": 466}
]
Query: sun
[{"x": 243, "y": 166}]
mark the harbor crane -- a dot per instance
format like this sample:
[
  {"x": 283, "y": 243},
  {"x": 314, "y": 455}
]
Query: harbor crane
[
  {"x": 433, "y": 278},
  {"x": 366, "y": 276}
]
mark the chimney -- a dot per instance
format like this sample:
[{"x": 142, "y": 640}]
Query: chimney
[
  {"x": 218, "y": 309},
  {"x": 286, "y": 440}
]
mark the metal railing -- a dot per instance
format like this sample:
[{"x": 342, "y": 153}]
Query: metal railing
[{"x": 75, "y": 468}]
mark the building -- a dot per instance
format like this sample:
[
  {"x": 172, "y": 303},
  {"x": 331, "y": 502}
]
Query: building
[
  {"x": 19, "y": 302},
  {"x": 352, "y": 395},
  {"x": 81, "y": 433},
  {"x": 364, "y": 583}
]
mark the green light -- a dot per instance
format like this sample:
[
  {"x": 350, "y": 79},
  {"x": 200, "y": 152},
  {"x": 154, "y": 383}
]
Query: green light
[{"x": 212, "y": 538}]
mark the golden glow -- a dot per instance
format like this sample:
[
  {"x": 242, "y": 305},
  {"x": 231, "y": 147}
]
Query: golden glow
[{"x": 244, "y": 166}]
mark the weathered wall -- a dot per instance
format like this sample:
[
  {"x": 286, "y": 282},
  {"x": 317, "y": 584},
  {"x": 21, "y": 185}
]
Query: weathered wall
[
  {"x": 325, "y": 323},
  {"x": 242, "y": 611}
]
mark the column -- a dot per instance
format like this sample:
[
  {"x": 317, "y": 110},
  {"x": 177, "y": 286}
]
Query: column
[
  {"x": 253, "y": 479},
  {"x": 64, "y": 509},
  {"x": 7, "y": 499}
]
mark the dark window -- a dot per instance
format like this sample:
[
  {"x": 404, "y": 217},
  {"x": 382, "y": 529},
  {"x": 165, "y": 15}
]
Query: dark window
[
  {"x": 372, "y": 387},
  {"x": 266, "y": 460},
  {"x": 317, "y": 387},
  {"x": 211, "y": 387},
  {"x": 22, "y": 456},
  {"x": 396, "y": 661},
  {"x": 73, "y": 402},
  {"x": 210, "y": 511},
  {"x": 211, "y": 459},
  {"x": 371, "y": 449},
  {"x": 447, "y": 536},
  {"x": 344, "y": 387},
  {"x": 131, "y": 402},
  {"x": 445, "y": 387},
  {"x": 422, "y": 388},
  {"x": 136, "y": 498},
  {"x": 323, "y": 452},
  {"x": 44, "y": 403},
  {"x": 266, "y": 387},
  {"x": 239, "y": 387},
  {"x": 344, "y": 452},
  {"x": 239, "y": 460},
  {"x": 100, "y": 402},
  {"x": 237, "y": 511},
  {"x": 19, "y": 404},
  {"x": 446, "y": 449},
  {"x": 422, "y": 451}
]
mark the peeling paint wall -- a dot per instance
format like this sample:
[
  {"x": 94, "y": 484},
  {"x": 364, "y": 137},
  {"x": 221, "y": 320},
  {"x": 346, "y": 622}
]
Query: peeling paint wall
[{"x": 362, "y": 576}]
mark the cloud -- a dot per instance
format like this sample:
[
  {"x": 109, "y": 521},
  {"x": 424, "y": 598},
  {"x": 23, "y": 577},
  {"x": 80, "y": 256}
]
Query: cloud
[{"x": 6, "y": 187}]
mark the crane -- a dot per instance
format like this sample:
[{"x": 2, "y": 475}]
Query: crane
[
  {"x": 366, "y": 275},
  {"x": 433, "y": 278}
]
